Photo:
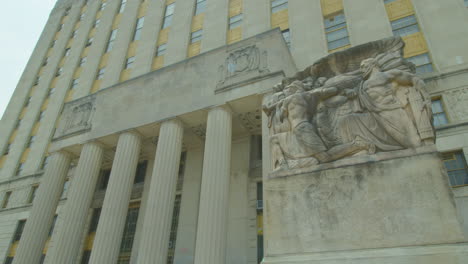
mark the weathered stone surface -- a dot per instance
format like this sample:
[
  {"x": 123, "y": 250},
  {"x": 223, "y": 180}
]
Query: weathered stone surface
[
  {"x": 389, "y": 203},
  {"x": 334, "y": 110}
]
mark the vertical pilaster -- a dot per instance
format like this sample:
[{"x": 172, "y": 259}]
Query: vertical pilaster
[
  {"x": 214, "y": 197},
  {"x": 257, "y": 17},
  {"x": 187, "y": 229},
  {"x": 114, "y": 209},
  {"x": 79, "y": 201},
  {"x": 179, "y": 35},
  {"x": 158, "y": 215},
  {"x": 214, "y": 29},
  {"x": 42, "y": 213}
]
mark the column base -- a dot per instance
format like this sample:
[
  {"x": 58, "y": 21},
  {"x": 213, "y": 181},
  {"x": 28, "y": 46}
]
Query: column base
[{"x": 433, "y": 254}]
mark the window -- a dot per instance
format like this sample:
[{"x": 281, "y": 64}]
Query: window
[
  {"x": 7, "y": 149},
  {"x": 161, "y": 50},
  {"x": 53, "y": 43},
  {"x": 46, "y": 61},
  {"x": 457, "y": 169},
  {"x": 103, "y": 5},
  {"x": 67, "y": 52},
  {"x": 100, "y": 74},
  {"x": 32, "y": 195},
  {"x": 89, "y": 42},
  {"x": 174, "y": 226},
  {"x": 122, "y": 6},
  {"x": 129, "y": 63},
  {"x": 405, "y": 26},
  {"x": 6, "y": 199},
  {"x": 196, "y": 36},
  {"x": 19, "y": 230},
  {"x": 168, "y": 15},
  {"x": 74, "y": 34},
  {"x": 67, "y": 11},
  {"x": 438, "y": 112},
  {"x": 65, "y": 188},
  {"x": 200, "y": 6},
  {"x": 112, "y": 37},
  {"x": 96, "y": 23},
  {"x": 59, "y": 72},
  {"x": 28, "y": 101},
  {"x": 82, "y": 16},
  {"x": 422, "y": 62},
  {"x": 51, "y": 91},
  {"x": 45, "y": 162},
  {"x": 18, "y": 124},
  {"x": 141, "y": 172},
  {"x": 138, "y": 28},
  {"x": 20, "y": 168},
  {"x": 83, "y": 61},
  {"x": 94, "y": 220},
  {"x": 60, "y": 27},
  {"x": 129, "y": 230},
  {"x": 278, "y": 5},
  {"x": 235, "y": 21},
  {"x": 36, "y": 82},
  {"x": 104, "y": 179},
  {"x": 336, "y": 31},
  {"x": 31, "y": 141},
  {"x": 287, "y": 37},
  {"x": 41, "y": 116},
  {"x": 74, "y": 83}
]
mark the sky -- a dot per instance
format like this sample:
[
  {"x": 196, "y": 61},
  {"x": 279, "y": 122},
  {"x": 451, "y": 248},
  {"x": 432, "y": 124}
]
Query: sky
[{"x": 21, "y": 24}]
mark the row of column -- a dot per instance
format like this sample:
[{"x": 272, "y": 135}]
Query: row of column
[{"x": 212, "y": 220}]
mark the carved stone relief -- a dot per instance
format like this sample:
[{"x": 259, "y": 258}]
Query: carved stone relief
[
  {"x": 252, "y": 121},
  {"x": 76, "y": 117},
  {"x": 242, "y": 63},
  {"x": 457, "y": 99},
  {"x": 367, "y": 101}
]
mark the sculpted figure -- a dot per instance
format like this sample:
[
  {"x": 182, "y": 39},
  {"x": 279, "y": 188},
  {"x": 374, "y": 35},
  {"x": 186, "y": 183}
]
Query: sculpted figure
[{"x": 384, "y": 122}]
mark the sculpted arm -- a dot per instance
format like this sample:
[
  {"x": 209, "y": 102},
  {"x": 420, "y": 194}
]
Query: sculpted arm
[{"x": 401, "y": 77}]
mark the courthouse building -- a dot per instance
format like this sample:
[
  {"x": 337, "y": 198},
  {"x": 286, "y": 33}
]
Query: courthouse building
[{"x": 136, "y": 133}]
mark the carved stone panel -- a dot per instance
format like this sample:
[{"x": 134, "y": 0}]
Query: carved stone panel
[
  {"x": 76, "y": 117},
  {"x": 457, "y": 100},
  {"x": 242, "y": 64}
]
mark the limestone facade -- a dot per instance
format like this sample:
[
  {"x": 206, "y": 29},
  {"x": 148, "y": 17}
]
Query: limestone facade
[{"x": 141, "y": 97}]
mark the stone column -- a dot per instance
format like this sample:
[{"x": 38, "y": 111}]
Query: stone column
[
  {"x": 114, "y": 209},
  {"x": 214, "y": 196},
  {"x": 157, "y": 223},
  {"x": 70, "y": 236},
  {"x": 42, "y": 213}
]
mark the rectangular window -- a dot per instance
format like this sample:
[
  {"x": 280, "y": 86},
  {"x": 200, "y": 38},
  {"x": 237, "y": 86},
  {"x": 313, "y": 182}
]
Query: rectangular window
[
  {"x": 196, "y": 36},
  {"x": 18, "y": 124},
  {"x": 82, "y": 16},
  {"x": 138, "y": 28},
  {"x": 103, "y": 5},
  {"x": 200, "y": 6},
  {"x": 405, "y": 26},
  {"x": 336, "y": 31},
  {"x": 51, "y": 91},
  {"x": 161, "y": 50},
  {"x": 89, "y": 42},
  {"x": 19, "y": 230},
  {"x": 20, "y": 168},
  {"x": 46, "y": 61},
  {"x": 96, "y": 23},
  {"x": 74, "y": 34},
  {"x": 41, "y": 116},
  {"x": 278, "y": 5},
  {"x": 129, "y": 63},
  {"x": 59, "y": 72},
  {"x": 67, "y": 52},
  {"x": 36, "y": 82},
  {"x": 122, "y": 6},
  {"x": 168, "y": 15},
  {"x": 141, "y": 172},
  {"x": 7, "y": 149},
  {"x": 67, "y": 11},
  {"x": 31, "y": 141},
  {"x": 28, "y": 101},
  {"x": 60, "y": 27},
  {"x": 104, "y": 179},
  {"x": 110, "y": 43},
  {"x": 457, "y": 169},
  {"x": 83, "y": 61},
  {"x": 53, "y": 43},
  {"x": 287, "y": 37},
  {"x": 438, "y": 112},
  {"x": 235, "y": 21},
  {"x": 100, "y": 73},
  {"x": 422, "y": 62},
  {"x": 6, "y": 199},
  {"x": 32, "y": 195},
  {"x": 174, "y": 227},
  {"x": 74, "y": 83},
  {"x": 129, "y": 230}
]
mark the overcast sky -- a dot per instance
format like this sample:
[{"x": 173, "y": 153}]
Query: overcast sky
[{"x": 21, "y": 23}]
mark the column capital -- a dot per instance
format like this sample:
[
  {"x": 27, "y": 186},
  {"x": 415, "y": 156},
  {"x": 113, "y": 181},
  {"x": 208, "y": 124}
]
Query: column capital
[{"x": 131, "y": 132}]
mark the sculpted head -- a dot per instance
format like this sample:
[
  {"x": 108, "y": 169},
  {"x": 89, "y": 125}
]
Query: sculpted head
[
  {"x": 367, "y": 66},
  {"x": 293, "y": 88}
]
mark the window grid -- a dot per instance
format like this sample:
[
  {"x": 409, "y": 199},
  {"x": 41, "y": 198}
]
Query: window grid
[
  {"x": 438, "y": 112},
  {"x": 278, "y": 5},
  {"x": 200, "y": 6},
  {"x": 174, "y": 226},
  {"x": 129, "y": 63},
  {"x": 168, "y": 15},
  {"x": 129, "y": 231},
  {"x": 6, "y": 199},
  {"x": 161, "y": 50},
  {"x": 19, "y": 230},
  {"x": 138, "y": 28},
  {"x": 74, "y": 83},
  {"x": 32, "y": 195},
  {"x": 422, "y": 62},
  {"x": 235, "y": 21},
  {"x": 122, "y": 6},
  {"x": 100, "y": 73},
  {"x": 405, "y": 26},
  {"x": 83, "y": 61},
  {"x": 457, "y": 169},
  {"x": 287, "y": 37},
  {"x": 110, "y": 43},
  {"x": 196, "y": 36},
  {"x": 336, "y": 31}
]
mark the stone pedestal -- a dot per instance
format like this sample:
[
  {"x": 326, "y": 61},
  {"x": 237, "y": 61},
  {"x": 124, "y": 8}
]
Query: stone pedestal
[{"x": 384, "y": 208}]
